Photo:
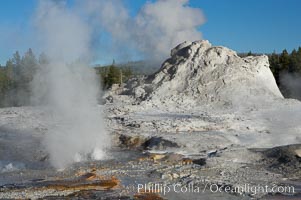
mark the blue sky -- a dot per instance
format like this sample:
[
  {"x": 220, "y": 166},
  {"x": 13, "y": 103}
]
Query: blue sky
[{"x": 243, "y": 25}]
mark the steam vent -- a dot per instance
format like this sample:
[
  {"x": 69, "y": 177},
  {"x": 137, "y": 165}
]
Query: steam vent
[{"x": 206, "y": 114}]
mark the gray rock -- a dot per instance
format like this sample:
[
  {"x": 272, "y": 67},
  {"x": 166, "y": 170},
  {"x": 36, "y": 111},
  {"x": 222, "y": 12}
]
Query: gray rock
[{"x": 158, "y": 143}]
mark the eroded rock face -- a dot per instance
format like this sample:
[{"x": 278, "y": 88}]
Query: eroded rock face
[{"x": 198, "y": 73}]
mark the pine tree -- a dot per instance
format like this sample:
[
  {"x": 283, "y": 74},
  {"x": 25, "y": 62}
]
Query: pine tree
[
  {"x": 284, "y": 60},
  {"x": 16, "y": 61},
  {"x": 10, "y": 69},
  {"x": 29, "y": 66},
  {"x": 113, "y": 76},
  {"x": 293, "y": 66},
  {"x": 43, "y": 59},
  {"x": 298, "y": 66},
  {"x": 274, "y": 65}
]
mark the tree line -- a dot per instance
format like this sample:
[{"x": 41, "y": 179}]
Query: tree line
[
  {"x": 113, "y": 74},
  {"x": 18, "y": 72},
  {"x": 15, "y": 78},
  {"x": 286, "y": 68}
]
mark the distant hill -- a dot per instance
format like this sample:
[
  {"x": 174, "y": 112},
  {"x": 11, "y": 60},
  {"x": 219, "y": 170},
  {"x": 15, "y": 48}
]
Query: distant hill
[
  {"x": 142, "y": 67},
  {"x": 138, "y": 67}
]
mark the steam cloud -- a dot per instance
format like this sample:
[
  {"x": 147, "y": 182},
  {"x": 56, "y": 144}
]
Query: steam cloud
[
  {"x": 67, "y": 35},
  {"x": 292, "y": 82},
  {"x": 158, "y": 27},
  {"x": 69, "y": 89}
]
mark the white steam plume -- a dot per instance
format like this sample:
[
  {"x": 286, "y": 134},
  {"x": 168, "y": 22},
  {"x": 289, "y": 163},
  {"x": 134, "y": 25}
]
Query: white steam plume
[
  {"x": 292, "y": 83},
  {"x": 69, "y": 89},
  {"x": 158, "y": 27}
]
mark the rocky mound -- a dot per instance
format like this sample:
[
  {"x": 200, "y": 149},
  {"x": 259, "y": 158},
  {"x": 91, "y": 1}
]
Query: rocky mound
[
  {"x": 198, "y": 73},
  {"x": 282, "y": 159}
]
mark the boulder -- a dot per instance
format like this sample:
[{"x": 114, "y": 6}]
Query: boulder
[{"x": 158, "y": 143}]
